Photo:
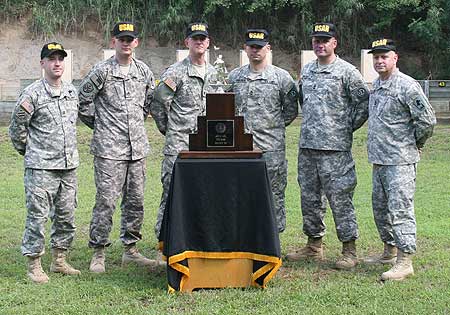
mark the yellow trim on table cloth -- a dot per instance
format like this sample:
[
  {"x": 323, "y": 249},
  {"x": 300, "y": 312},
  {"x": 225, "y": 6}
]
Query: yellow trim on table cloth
[{"x": 272, "y": 266}]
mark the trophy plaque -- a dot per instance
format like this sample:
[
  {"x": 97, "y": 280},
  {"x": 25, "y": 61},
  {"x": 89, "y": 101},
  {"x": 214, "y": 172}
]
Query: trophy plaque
[{"x": 220, "y": 133}]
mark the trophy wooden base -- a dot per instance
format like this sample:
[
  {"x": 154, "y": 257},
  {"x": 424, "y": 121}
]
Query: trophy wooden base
[{"x": 255, "y": 154}]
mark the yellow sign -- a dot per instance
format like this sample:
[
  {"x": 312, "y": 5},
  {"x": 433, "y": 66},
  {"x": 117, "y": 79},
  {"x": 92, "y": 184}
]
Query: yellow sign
[
  {"x": 198, "y": 27},
  {"x": 126, "y": 27},
  {"x": 380, "y": 42},
  {"x": 54, "y": 46},
  {"x": 322, "y": 28},
  {"x": 442, "y": 84},
  {"x": 256, "y": 35}
]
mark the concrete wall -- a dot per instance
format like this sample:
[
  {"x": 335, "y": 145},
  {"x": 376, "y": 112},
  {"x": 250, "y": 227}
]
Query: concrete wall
[
  {"x": 6, "y": 108},
  {"x": 437, "y": 91}
]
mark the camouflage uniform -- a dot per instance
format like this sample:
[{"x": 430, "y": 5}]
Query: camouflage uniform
[
  {"x": 43, "y": 129},
  {"x": 401, "y": 119},
  {"x": 179, "y": 99},
  {"x": 335, "y": 103},
  {"x": 268, "y": 103},
  {"x": 115, "y": 106}
]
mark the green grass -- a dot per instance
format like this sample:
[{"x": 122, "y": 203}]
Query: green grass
[{"x": 299, "y": 288}]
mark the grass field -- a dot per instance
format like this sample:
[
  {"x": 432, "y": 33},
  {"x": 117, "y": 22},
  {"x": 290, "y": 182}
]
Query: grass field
[{"x": 298, "y": 288}]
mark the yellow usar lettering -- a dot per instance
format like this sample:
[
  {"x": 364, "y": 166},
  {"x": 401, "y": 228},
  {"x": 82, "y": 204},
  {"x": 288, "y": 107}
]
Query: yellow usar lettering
[
  {"x": 53, "y": 46},
  {"x": 126, "y": 27},
  {"x": 322, "y": 28},
  {"x": 198, "y": 27},
  {"x": 256, "y": 35},
  {"x": 380, "y": 42}
]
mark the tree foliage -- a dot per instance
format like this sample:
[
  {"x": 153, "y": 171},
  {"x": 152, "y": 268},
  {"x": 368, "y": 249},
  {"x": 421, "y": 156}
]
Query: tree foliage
[{"x": 418, "y": 25}]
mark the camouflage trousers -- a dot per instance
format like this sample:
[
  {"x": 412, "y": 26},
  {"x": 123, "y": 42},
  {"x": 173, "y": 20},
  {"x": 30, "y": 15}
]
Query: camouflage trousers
[
  {"x": 277, "y": 170},
  {"x": 329, "y": 174},
  {"x": 49, "y": 193},
  {"x": 166, "y": 176},
  {"x": 112, "y": 179},
  {"x": 393, "y": 189}
]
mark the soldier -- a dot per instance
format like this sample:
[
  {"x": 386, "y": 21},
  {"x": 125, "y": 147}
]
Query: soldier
[
  {"x": 43, "y": 130},
  {"x": 114, "y": 101},
  {"x": 334, "y": 105},
  {"x": 267, "y": 97},
  {"x": 179, "y": 98},
  {"x": 401, "y": 119}
]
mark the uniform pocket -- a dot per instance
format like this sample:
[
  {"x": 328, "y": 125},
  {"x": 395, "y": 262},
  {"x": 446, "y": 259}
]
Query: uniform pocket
[
  {"x": 46, "y": 114},
  {"x": 393, "y": 112}
]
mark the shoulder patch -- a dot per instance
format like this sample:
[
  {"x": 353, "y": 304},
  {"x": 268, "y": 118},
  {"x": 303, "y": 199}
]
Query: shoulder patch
[
  {"x": 293, "y": 94},
  {"x": 172, "y": 85},
  {"x": 88, "y": 88},
  {"x": 419, "y": 104},
  {"x": 361, "y": 92},
  {"x": 26, "y": 106}
]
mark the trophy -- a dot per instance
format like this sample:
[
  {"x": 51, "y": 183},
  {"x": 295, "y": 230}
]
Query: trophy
[{"x": 221, "y": 84}]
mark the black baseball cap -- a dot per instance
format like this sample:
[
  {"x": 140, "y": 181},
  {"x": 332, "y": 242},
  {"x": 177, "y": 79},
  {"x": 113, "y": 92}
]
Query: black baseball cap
[
  {"x": 382, "y": 45},
  {"x": 256, "y": 36},
  {"x": 324, "y": 30},
  {"x": 52, "y": 48},
  {"x": 125, "y": 28},
  {"x": 195, "y": 29}
]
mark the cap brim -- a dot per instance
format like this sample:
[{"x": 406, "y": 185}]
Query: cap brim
[
  {"x": 322, "y": 35},
  {"x": 123, "y": 34},
  {"x": 256, "y": 42},
  {"x": 380, "y": 50},
  {"x": 197, "y": 33},
  {"x": 52, "y": 52}
]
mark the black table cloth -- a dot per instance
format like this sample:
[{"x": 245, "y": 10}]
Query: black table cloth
[{"x": 221, "y": 209}]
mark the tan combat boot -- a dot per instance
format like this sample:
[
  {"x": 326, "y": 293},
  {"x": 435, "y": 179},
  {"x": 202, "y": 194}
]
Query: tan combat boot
[
  {"x": 131, "y": 255},
  {"x": 98, "y": 260},
  {"x": 313, "y": 250},
  {"x": 402, "y": 268},
  {"x": 35, "y": 271},
  {"x": 348, "y": 260},
  {"x": 389, "y": 256},
  {"x": 159, "y": 261},
  {"x": 59, "y": 263}
]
